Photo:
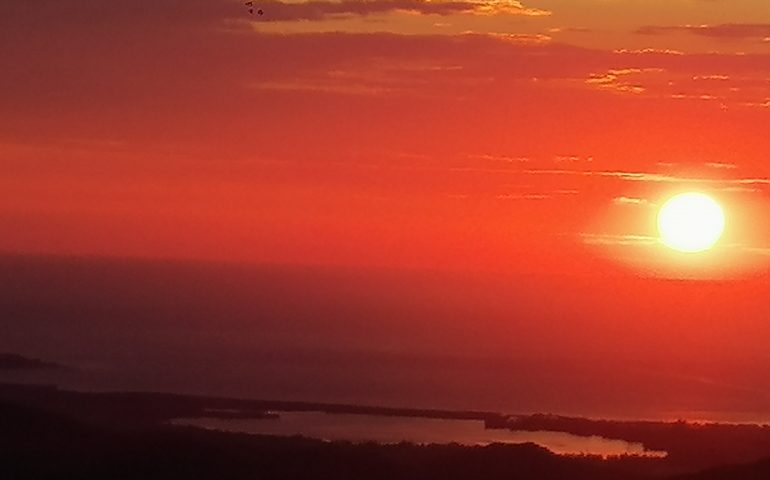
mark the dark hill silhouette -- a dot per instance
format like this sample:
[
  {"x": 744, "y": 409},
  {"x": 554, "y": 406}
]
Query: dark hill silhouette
[
  {"x": 690, "y": 446},
  {"x": 12, "y": 361},
  {"x": 38, "y": 445},
  {"x": 50, "y": 433},
  {"x": 755, "y": 471}
]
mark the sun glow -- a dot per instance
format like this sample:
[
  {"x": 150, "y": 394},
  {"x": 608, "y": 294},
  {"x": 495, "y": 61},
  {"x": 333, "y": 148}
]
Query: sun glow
[{"x": 691, "y": 222}]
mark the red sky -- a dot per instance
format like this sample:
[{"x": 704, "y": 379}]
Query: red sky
[{"x": 482, "y": 134}]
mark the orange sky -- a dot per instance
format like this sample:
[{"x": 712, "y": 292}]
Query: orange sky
[{"x": 484, "y": 134}]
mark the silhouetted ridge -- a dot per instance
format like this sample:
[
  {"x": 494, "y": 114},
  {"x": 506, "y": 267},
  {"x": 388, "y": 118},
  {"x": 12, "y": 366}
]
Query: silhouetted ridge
[
  {"x": 12, "y": 361},
  {"x": 755, "y": 471}
]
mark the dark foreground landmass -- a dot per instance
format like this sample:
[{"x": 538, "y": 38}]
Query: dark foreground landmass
[
  {"x": 35, "y": 444},
  {"x": 12, "y": 361},
  {"x": 690, "y": 446},
  {"x": 50, "y": 433},
  {"x": 61, "y": 449}
]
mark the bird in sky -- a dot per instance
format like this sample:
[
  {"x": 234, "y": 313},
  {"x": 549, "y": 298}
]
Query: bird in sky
[{"x": 250, "y": 4}]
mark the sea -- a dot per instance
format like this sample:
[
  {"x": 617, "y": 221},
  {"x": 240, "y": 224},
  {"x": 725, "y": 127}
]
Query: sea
[{"x": 380, "y": 338}]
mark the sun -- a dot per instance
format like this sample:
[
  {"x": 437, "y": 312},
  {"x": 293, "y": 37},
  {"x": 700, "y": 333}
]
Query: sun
[{"x": 691, "y": 222}]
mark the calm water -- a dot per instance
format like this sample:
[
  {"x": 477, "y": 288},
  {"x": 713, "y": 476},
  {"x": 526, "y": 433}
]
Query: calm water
[
  {"x": 382, "y": 429},
  {"x": 400, "y": 339},
  {"x": 508, "y": 387}
]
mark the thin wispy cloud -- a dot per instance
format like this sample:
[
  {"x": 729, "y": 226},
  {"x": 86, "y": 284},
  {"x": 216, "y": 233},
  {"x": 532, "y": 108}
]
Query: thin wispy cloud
[
  {"x": 524, "y": 196},
  {"x": 316, "y": 10},
  {"x": 618, "y": 239},
  {"x": 623, "y": 200},
  {"x": 621, "y": 80},
  {"x": 499, "y": 158},
  {"x": 649, "y": 177},
  {"x": 546, "y": 195},
  {"x": 727, "y": 31},
  {"x": 649, "y": 51},
  {"x": 722, "y": 165}
]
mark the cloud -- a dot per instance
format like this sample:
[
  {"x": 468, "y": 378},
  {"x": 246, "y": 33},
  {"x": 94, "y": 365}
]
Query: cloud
[
  {"x": 623, "y": 240},
  {"x": 650, "y": 177},
  {"x": 572, "y": 159},
  {"x": 649, "y": 51},
  {"x": 510, "y": 7},
  {"x": 763, "y": 251},
  {"x": 324, "y": 85},
  {"x": 500, "y": 158},
  {"x": 686, "y": 77},
  {"x": 343, "y": 90},
  {"x": 570, "y": 30},
  {"x": 727, "y": 31},
  {"x": 722, "y": 165},
  {"x": 712, "y": 77},
  {"x": 520, "y": 38},
  {"x": 524, "y": 196},
  {"x": 317, "y": 10},
  {"x": 546, "y": 195},
  {"x": 630, "y": 201},
  {"x": 374, "y": 77},
  {"x": 616, "y": 79}
]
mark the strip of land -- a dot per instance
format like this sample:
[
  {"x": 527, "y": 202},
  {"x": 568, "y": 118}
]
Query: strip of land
[{"x": 691, "y": 447}]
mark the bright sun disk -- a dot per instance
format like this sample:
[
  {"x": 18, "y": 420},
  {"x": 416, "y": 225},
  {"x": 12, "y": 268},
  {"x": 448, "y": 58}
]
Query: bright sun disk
[{"x": 690, "y": 222}]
